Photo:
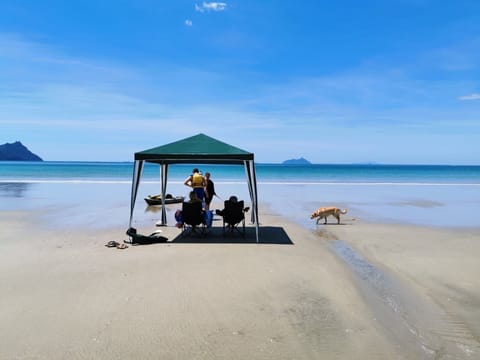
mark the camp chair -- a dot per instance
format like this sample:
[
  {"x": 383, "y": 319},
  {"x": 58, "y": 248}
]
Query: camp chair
[
  {"x": 233, "y": 215},
  {"x": 193, "y": 218}
]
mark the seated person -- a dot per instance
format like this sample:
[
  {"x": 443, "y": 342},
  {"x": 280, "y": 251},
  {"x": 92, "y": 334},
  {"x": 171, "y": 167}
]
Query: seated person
[
  {"x": 178, "y": 214},
  {"x": 232, "y": 199},
  {"x": 233, "y": 213}
]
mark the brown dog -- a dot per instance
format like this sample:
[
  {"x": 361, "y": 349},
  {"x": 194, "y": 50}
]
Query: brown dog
[{"x": 324, "y": 212}]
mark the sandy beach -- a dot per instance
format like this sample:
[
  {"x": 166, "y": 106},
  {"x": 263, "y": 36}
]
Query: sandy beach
[
  {"x": 109, "y": 110},
  {"x": 352, "y": 291}
]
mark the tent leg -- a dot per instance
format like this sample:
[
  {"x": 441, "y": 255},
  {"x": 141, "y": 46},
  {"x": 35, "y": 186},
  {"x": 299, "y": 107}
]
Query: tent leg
[
  {"x": 137, "y": 173},
  {"x": 252, "y": 187},
  {"x": 163, "y": 176}
]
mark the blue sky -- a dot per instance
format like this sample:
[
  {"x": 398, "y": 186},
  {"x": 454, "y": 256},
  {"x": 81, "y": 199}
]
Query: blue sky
[{"x": 347, "y": 81}]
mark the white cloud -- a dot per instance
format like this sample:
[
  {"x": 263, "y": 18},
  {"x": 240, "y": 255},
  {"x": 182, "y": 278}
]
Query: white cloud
[
  {"x": 188, "y": 22},
  {"x": 211, "y": 6},
  {"x": 470, "y": 97}
]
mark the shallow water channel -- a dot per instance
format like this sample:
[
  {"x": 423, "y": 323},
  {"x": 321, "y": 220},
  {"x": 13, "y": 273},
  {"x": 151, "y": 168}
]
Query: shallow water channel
[{"x": 419, "y": 326}]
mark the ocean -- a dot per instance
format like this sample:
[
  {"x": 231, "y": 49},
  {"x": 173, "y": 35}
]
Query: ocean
[
  {"x": 97, "y": 194},
  {"x": 122, "y": 171}
]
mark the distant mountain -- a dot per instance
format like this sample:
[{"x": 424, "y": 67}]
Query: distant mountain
[
  {"x": 17, "y": 152},
  {"x": 300, "y": 161}
]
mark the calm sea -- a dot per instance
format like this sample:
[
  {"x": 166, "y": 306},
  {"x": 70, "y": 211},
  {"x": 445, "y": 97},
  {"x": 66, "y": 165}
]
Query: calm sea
[
  {"x": 98, "y": 193},
  {"x": 122, "y": 172}
]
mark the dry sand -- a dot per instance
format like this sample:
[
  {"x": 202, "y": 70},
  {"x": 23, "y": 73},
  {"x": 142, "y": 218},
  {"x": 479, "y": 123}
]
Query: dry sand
[{"x": 353, "y": 291}]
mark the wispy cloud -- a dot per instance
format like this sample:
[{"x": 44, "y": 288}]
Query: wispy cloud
[
  {"x": 470, "y": 97},
  {"x": 211, "y": 6},
  {"x": 188, "y": 22},
  {"x": 81, "y": 99}
]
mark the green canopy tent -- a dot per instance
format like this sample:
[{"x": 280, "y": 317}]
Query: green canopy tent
[{"x": 198, "y": 149}]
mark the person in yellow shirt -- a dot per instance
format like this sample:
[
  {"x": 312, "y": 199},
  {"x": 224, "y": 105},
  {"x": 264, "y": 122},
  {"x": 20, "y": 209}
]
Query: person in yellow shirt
[{"x": 197, "y": 182}]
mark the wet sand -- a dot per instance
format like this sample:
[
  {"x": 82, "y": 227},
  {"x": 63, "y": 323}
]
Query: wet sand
[
  {"x": 421, "y": 279},
  {"x": 350, "y": 291}
]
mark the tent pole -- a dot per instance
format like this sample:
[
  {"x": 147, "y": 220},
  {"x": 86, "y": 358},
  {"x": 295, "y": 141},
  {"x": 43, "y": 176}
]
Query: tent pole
[
  {"x": 255, "y": 195},
  {"x": 163, "y": 177},
  {"x": 137, "y": 173},
  {"x": 252, "y": 187}
]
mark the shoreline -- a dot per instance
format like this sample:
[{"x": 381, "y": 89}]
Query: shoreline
[
  {"x": 237, "y": 299},
  {"x": 77, "y": 204}
]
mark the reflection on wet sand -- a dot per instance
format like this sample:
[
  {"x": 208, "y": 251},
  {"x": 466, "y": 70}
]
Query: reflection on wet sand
[
  {"x": 153, "y": 208},
  {"x": 158, "y": 208},
  {"x": 14, "y": 189}
]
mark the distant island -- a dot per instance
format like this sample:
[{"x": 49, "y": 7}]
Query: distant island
[
  {"x": 300, "y": 161},
  {"x": 17, "y": 152}
]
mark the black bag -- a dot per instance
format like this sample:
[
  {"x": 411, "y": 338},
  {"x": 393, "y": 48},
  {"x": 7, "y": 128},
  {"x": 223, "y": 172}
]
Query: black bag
[{"x": 139, "y": 239}]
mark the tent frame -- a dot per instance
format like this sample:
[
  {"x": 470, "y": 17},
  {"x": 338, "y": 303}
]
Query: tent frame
[{"x": 164, "y": 159}]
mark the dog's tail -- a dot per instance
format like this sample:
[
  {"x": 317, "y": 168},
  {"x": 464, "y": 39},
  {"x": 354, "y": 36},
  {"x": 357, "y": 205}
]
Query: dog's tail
[{"x": 344, "y": 211}]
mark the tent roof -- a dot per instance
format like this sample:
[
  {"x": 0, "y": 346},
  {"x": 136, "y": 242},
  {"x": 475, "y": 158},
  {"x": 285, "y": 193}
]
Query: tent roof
[{"x": 195, "y": 149}]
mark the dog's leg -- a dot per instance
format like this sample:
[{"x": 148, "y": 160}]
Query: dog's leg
[{"x": 338, "y": 219}]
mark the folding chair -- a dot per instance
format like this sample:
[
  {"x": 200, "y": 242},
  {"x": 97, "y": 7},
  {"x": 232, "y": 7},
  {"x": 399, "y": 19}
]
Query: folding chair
[
  {"x": 233, "y": 216},
  {"x": 193, "y": 218}
]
